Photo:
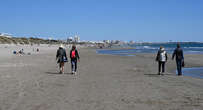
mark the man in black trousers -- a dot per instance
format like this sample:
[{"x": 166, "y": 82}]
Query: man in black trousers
[
  {"x": 162, "y": 59},
  {"x": 178, "y": 52}
]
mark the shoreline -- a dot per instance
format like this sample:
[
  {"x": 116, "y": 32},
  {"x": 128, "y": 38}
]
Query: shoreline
[
  {"x": 172, "y": 69},
  {"x": 196, "y": 56}
]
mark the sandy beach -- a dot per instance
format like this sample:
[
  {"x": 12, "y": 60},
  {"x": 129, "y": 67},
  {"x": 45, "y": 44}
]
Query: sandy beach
[{"x": 103, "y": 82}]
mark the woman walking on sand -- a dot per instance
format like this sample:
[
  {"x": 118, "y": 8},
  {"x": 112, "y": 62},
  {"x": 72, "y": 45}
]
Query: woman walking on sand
[
  {"x": 178, "y": 52},
  {"x": 74, "y": 56},
  {"x": 161, "y": 58},
  {"x": 61, "y": 57}
]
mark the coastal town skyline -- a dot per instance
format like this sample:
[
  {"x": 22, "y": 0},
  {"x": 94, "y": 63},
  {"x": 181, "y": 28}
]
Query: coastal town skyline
[{"x": 77, "y": 39}]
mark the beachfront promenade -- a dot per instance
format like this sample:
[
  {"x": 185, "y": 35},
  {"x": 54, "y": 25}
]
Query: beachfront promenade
[{"x": 103, "y": 82}]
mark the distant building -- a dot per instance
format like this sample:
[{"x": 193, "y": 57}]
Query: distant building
[
  {"x": 107, "y": 41},
  {"x": 50, "y": 38},
  {"x": 121, "y": 43},
  {"x": 118, "y": 42},
  {"x": 5, "y": 35},
  {"x": 131, "y": 42},
  {"x": 113, "y": 41},
  {"x": 70, "y": 39},
  {"x": 76, "y": 38}
]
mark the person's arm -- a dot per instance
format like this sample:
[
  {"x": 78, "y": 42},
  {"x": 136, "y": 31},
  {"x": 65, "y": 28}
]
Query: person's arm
[
  {"x": 77, "y": 55},
  {"x": 65, "y": 53},
  {"x": 70, "y": 54},
  {"x": 57, "y": 54},
  {"x": 157, "y": 56},
  {"x": 166, "y": 56},
  {"x": 182, "y": 55},
  {"x": 174, "y": 53}
]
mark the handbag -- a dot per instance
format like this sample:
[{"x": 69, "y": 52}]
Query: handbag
[
  {"x": 183, "y": 64},
  {"x": 65, "y": 59}
]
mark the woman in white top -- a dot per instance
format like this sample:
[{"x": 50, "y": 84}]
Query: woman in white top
[{"x": 161, "y": 59}]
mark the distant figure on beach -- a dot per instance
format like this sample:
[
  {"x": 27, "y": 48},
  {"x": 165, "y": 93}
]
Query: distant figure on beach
[
  {"x": 14, "y": 52},
  {"x": 161, "y": 58},
  {"x": 178, "y": 52},
  {"x": 74, "y": 56},
  {"x": 21, "y": 52},
  {"x": 61, "y": 57}
]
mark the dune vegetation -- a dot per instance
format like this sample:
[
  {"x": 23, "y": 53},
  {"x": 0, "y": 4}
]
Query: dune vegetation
[{"x": 26, "y": 41}]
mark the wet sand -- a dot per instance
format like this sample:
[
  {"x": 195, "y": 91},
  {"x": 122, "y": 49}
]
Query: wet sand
[{"x": 103, "y": 82}]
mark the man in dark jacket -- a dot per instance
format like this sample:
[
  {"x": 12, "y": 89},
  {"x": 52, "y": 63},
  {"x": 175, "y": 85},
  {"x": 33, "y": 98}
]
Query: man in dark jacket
[
  {"x": 178, "y": 52},
  {"x": 74, "y": 56},
  {"x": 162, "y": 59},
  {"x": 61, "y": 57}
]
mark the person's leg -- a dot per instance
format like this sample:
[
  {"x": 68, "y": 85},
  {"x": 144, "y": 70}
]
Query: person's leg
[
  {"x": 159, "y": 68},
  {"x": 179, "y": 67},
  {"x": 62, "y": 67},
  {"x": 75, "y": 65},
  {"x": 72, "y": 66},
  {"x": 163, "y": 67}
]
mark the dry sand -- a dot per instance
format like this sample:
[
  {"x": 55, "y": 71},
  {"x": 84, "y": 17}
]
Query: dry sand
[{"x": 103, "y": 82}]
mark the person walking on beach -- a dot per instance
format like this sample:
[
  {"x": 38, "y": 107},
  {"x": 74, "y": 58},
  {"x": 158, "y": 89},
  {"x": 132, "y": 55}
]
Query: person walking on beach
[
  {"x": 161, "y": 58},
  {"x": 74, "y": 56},
  {"x": 61, "y": 57},
  {"x": 178, "y": 52}
]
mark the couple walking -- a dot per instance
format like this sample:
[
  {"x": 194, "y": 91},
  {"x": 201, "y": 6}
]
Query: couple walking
[
  {"x": 162, "y": 59},
  {"x": 61, "y": 58}
]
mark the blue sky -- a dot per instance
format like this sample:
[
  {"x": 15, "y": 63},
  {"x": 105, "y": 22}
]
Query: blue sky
[{"x": 138, "y": 20}]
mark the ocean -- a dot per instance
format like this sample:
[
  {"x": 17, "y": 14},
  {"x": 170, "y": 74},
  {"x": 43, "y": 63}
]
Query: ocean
[
  {"x": 188, "y": 48},
  {"x": 196, "y": 72}
]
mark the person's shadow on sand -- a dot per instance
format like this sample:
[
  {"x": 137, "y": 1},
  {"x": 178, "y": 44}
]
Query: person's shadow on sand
[
  {"x": 156, "y": 75},
  {"x": 57, "y": 73},
  {"x": 152, "y": 75}
]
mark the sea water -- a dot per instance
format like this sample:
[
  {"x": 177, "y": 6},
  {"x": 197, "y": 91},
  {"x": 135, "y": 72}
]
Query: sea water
[
  {"x": 188, "y": 48},
  {"x": 193, "y": 72}
]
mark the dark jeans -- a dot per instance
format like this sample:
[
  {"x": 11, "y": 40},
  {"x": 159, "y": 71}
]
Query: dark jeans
[
  {"x": 161, "y": 64},
  {"x": 179, "y": 66},
  {"x": 74, "y": 65}
]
